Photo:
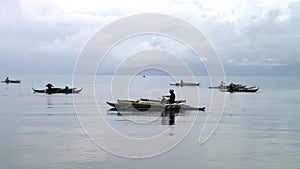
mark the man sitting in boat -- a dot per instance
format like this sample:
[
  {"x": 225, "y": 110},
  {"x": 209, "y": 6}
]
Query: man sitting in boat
[
  {"x": 231, "y": 87},
  {"x": 171, "y": 97},
  {"x": 49, "y": 87}
]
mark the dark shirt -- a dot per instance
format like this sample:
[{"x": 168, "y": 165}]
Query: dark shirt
[
  {"x": 231, "y": 87},
  {"x": 172, "y": 98}
]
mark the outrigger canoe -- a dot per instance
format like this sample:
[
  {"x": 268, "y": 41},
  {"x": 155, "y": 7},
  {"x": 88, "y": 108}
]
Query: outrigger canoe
[
  {"x": 59, "y": 90},
  {"x": 151, "y": 105},
  {"x": 245, "y": 89},
  {"x": 185, "y": 84},
  {"x": 11, "y": 81},
  {"x": 237, "y": 86}
]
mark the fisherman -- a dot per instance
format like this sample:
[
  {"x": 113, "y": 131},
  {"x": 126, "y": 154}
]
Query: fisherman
[
  {"x": 169, "y": 109},
  {"x": 49, "y": 86},
  {"x": 171, "y": 97},
  {"x": 231, "y": 87}
]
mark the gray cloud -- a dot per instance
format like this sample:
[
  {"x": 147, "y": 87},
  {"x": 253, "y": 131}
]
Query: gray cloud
[
  {"x": 258, "y": 37},
  {"x": 243, "y": 34}
]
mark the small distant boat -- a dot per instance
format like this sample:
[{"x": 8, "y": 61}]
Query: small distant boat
[
  {"x": 235, "y": 88},
  {"x": 151, "y": 105},
  {"x": 10, "y": 81},
  {"x": 59, "y": 90},
  {"x": 182, "y": 83},
  {"x": 245, "y": 89},
  {"x": 222, "y": 86}
]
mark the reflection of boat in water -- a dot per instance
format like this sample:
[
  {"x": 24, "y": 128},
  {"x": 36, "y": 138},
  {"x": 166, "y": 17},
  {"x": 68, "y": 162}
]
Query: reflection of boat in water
[
  {"x": 58, "y": 90},
  {"x": 151, "y": 105},
  {"x": 182, "y": 83}
]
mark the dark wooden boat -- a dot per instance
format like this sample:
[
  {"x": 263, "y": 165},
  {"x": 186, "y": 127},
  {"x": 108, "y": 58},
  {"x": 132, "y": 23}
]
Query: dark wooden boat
[
  {"x": 59, "y": 90},
  {"x": 11, "y": 81},
  {"x": 246, "y": 89}
]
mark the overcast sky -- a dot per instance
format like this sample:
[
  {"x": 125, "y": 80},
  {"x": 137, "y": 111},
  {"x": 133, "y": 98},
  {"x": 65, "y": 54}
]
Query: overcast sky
[{"x": 46, "y": 36}]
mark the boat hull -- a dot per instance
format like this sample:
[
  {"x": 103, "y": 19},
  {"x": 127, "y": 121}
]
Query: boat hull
[{"x": 249, "y": 90}]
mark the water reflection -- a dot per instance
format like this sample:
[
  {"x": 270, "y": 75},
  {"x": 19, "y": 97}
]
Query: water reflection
[{"x": 167, "y": 116}]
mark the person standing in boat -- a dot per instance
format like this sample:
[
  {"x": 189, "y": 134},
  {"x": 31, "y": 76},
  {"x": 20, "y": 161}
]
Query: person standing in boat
[{"x": 171, "y": 97}]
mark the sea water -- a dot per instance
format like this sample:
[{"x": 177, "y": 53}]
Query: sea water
[{"x": 257, "y": 130}]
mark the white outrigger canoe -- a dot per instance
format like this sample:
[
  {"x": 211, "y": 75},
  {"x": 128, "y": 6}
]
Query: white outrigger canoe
[{"x": 151, "y": 105}]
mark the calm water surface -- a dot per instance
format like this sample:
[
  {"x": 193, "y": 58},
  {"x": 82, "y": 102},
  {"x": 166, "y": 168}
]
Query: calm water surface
[{"x": 257, "y": 130}]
